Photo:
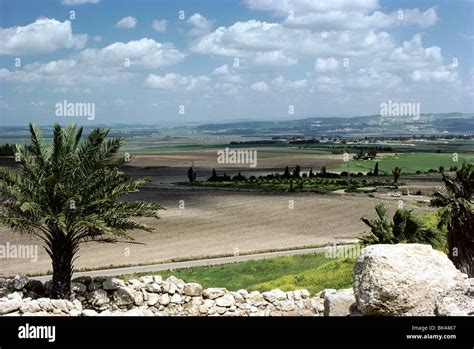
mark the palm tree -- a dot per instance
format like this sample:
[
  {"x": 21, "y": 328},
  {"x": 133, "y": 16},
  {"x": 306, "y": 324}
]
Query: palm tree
[
  {"x": 397, "y": 171},
  {"x": 69, "y": 192},
  {"x": 457, "y": 215},
  {"x": 405, "y": 228}
]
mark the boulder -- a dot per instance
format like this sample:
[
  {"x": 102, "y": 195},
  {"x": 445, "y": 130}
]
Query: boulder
[
  {"x": 403, "y": 279},
  {"x": 338, "y": 303}
]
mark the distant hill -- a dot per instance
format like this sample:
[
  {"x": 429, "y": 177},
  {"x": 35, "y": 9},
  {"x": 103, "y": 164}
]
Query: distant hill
[{"x": 459, "y": 123}]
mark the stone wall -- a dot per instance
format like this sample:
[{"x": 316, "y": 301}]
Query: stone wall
[
  {"x": 393, "y": 280},
  {"x": 153, "y": 296}
]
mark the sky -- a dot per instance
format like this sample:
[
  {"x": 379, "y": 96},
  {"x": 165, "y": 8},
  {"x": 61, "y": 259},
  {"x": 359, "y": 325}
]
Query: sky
[{"x": 187, "y": 62}]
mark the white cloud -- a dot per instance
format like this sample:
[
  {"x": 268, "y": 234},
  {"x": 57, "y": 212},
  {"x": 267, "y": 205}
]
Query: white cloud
[
  {"x": 78, "y": 2},
  {"x": 324, "y": 65},
  {"x": 304, "y": 6},
  {"x": 43, "y": 35},
  {"x": 144, "y": 53},
  {"x": 222, "y": 70},
  {"x": 97, "y": 66},
  {"x": 260, "y": 86},
  {"x": 282, "y": 84},
  {"x": 128, "y": 22},
  {"x": 438, "y": 75},
  {"x": 357, "y": 20},
  {"x": 200, "y": 25},
  {"x": 160, "y": 25},
  {"x": 172, "y": 81},
  {"x": 261, "y": 41}
]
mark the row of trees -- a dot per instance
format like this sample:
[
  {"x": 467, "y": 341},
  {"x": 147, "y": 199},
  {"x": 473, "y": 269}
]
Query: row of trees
[{"x": 69, "y": 192}]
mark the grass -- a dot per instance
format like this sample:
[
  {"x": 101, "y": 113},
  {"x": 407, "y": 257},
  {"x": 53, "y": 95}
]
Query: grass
[
  {"x": 409, "y": 162},
  {"x": 313, "y": 272}
]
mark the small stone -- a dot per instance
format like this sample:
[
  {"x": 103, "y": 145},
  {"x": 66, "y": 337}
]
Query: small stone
[
  {"x": 192, "y": 289},
  {"x": 297, "y": 295},
  {"x": 157, "y": 279},
  {"x": 164, "y": 299},
  {"x": 226, "y": 300},
  {"x": 153, "y": 288},
  {"x": 172, "y": 288},
  {"x": 19, "y": 282},
  {"x": 77, "y": 304},
  {"x": 135, "y": 284},
  {"x": 100, "y": 279},
  {"x": 33, "y": 306},
  {"x": 339, "y": 303},
  {"x": 273, "y": 295},
  {"x": 45, "y": 304},
  {"x": 238, "y": 297},
  {"x": 93, "y": 286},
  {"x": 60, "y": 304},
  {"x": 98, "y": 298},
  {"x": 146, "y": 280},
  {"x": 15, "y": 296},
  {"x": 75, "y": 312},
  {"x": 85, "y": 280},
  {"x": 78, "y": 288},
  {"x": 112, "y": 285},
  {"x": 138, "y": 298},
  {"x": 89, "y": 312},
  {"x": 152, "y": 299},
  {"x": 287, "y": 305},
  {"x": 255, "y": 298},
  {"x": 213, "y": 293},
  {"x": 176, "y": 298},
  {"x": 123, "y": 296},
  {"x": 9, "y": 306},
  {"x": 35, "y": 286}
]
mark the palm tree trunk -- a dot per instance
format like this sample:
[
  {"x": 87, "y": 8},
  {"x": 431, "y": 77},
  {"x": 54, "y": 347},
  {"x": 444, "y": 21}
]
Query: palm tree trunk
[
  {"x": 63, "y": 251},
  {"x": 461, "y": 252}
]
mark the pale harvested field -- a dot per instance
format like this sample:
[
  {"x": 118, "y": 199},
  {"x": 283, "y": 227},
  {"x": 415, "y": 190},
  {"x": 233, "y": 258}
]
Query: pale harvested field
[{"x": 216, "y": 223}]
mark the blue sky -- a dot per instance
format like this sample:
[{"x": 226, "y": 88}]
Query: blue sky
[{"x": 228, "y": 60}]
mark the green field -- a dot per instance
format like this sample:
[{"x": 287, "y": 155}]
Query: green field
[
  {"x": 409, "y": 162},
  {"x": 313, "y": 272}
]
